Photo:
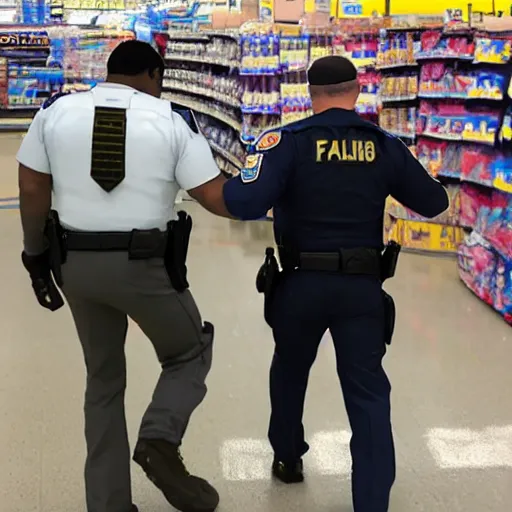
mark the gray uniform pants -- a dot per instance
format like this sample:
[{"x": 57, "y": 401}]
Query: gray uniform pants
[{"x": 103, "y": 290}]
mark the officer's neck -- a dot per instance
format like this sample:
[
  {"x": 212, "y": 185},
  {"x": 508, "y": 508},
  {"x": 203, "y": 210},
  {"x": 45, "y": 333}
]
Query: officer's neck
[
  {"x": 321, "y": 105},
  {"x": 135, "y": 82}
]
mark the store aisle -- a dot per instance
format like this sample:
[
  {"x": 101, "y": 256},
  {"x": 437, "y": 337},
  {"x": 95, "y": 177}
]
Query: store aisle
[{"x": 449, "y": 364}]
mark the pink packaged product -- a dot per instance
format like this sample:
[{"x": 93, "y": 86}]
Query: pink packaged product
[
  {"x": 486, "y": 273},
  {"x": 502, "y": 288},
  {"x": 477, "y": 263},
  {"x": 472, "y": 199},
  {"x": 496, "y": 223}
]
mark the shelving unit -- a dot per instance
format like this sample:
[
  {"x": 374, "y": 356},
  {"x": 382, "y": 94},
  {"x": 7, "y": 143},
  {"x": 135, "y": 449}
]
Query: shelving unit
[
  {"x": 203, "y": 74},
  {"x": 204, "y": 108},
  {"x": 25, "y": 82},
  {"x": 455, "y": 114}
]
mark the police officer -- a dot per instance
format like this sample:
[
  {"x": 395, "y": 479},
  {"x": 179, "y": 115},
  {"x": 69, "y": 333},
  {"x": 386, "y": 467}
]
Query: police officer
[
  {"x": 115, "y": 158},
  {"x": 327, "y": 179}
]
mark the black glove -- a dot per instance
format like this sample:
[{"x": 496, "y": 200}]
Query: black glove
[{"x": 47, "y": 293}]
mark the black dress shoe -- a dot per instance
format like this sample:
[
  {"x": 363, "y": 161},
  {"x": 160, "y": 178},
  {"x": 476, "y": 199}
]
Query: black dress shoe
[
  {"x": 134, "y": 509},
  {"x": 288, "y": 473}
]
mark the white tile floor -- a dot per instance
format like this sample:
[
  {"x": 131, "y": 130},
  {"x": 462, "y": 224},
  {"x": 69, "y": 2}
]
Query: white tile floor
[{"x": 449, "y": 364}]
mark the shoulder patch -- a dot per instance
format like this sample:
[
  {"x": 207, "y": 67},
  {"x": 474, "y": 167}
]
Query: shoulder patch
[
  {"x": 50, "y": 101},
  {"x": 188, "y": 116},
  {"x": 251, "y": 169},
  {"x": 268, "y": 141}
]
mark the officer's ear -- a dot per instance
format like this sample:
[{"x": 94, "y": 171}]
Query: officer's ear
[
  {"x": 154, "y": 84},
  {"x": 154, "y": 74}
]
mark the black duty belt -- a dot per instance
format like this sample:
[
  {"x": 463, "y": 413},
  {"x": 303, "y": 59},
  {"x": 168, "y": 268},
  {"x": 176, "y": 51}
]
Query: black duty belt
[
  {"x": 359, "y": 261},
  {"x": 148, "y": 243}
]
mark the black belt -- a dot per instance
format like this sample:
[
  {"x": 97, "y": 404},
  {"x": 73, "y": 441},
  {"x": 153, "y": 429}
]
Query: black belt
[
  {"x": 359, "y": 261},
  {"x": 117, "y": 241}
]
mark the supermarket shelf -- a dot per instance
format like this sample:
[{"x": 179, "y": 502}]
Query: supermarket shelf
[
  {"x": 257, "y": 109},
  {"x": 203, "y": 35},
  {"x": 204, "y": 109},
  {"x": 202, "y": 91},
  {"x": 425, "y": 56},
  {"x": 392, "y": 99},
  {"x": 451, "y": 96},
  {"x": 187, "y": 36},
  {"x": 202, "y": 60},
  {"x": 470, "y": 286},
  {"x": 430, "y": 252},
  {"x": 449, "y": 137},
  {"x": 226, "y": 154},
  {"x": 383, "y": 67},
  {"x": 15, "y": 124},
  {"x": 402, "y": 135},
  {"x": 412, "y": 218}
]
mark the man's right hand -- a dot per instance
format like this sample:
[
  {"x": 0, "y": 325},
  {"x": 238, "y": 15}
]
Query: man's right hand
[{"x": 46, "y": 291}]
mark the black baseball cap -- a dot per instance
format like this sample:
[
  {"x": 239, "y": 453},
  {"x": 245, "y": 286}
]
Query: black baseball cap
[{"x": 331, "y": 70}]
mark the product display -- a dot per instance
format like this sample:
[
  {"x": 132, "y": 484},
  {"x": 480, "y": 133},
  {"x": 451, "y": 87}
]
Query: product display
[
  {"x": 224, "y": 51},
  {"x": 423, "y": 236},
  {"x": 396, "y": 49},
  {"x": 455, "y": 121},
  {"x": 487, "y": 273},
  {"x": 295, "y": 102},
  {"x": 222, "y": 87},
  {"x": 447, "y": 94},
  {"x": 293, "y": 53},
  {"x": 439, "y": 80},
  {"x": 223, "y": 140},
  {"x": 260, "y": 49},
  {"x": 86, "y": 53},
  {"x": 261, "y": 95},
  {"x": 443, "y": 45},
  {"x": 320, "y": 46},
  {"x": 35, "y": 63},
  {"x": 202, "y": 74},
  {"x": 463, "y": 126},
  {"x": 399, "y": 88},
  {"x": 492, "y": 51},
  {"x": 25, "y": 81},
  {"x": 368, "y": 101},
  {"x": 399, "y": 121}
]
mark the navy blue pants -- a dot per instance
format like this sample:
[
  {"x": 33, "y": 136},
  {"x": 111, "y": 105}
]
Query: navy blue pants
[{"x": 305, "y": 306}]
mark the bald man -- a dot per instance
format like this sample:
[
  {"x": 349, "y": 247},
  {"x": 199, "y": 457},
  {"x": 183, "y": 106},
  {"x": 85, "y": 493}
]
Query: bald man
[{"x": 327, "y": 179}]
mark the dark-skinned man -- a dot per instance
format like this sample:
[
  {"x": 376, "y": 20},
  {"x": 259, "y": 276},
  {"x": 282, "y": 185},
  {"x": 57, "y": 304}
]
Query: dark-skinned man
[{"x": 115, "y": 158}]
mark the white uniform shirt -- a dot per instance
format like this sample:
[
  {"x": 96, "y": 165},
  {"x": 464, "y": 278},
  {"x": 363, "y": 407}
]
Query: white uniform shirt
[{"x": 163, "y": 155}]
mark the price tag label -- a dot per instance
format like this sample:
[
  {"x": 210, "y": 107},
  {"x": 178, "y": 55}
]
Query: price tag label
[
  {"x": 352, "y": 9},
  {"x": 453, "y": 16}
]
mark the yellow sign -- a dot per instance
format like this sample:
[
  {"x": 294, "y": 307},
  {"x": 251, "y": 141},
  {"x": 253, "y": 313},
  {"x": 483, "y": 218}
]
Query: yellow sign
[
  {"x": 99, "y": 5},
  {"x": 425, "y": 236},
  {"x": 267, "y": 10}
]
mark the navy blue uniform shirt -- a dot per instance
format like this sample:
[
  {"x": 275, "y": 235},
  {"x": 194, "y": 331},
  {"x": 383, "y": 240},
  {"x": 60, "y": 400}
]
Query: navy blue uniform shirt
[{"x": 327, "y": 178}]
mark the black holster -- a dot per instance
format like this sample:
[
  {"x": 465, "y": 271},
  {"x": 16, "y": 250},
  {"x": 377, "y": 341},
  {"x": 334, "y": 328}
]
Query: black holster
[
  {"x": 267, "y": 281},
  {"x": 178, "y": 238},
  {"x": 389, "y": 262},
  {"x": 56, "y": 238},
  {"x": 389, "y": 317}
]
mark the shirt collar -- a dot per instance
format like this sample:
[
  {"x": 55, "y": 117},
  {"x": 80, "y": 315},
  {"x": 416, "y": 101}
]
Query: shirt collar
[{"x": 112, "y": 85}]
